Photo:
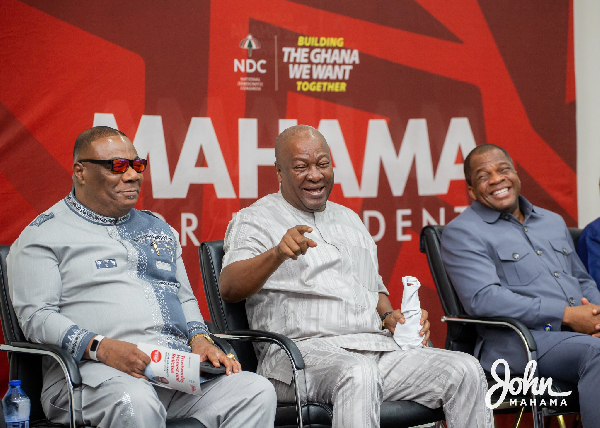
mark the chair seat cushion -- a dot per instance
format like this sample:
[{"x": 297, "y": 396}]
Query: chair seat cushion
[
  {"x": 320, "y": 414},
  {"x": 394, "y": 414},
  {"x": 404, "y": 414}
]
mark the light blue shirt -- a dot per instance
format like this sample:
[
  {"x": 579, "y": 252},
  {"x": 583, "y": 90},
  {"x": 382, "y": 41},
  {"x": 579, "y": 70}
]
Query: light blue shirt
[
  {"x": 74, "y": 273},
  {"x": 528, "y": 271}
]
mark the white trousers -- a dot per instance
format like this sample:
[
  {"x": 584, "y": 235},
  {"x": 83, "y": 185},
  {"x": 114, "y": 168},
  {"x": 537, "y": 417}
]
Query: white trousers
[
  {"x": 242, "y": 399},
  {"x": 357, "y": 382}
]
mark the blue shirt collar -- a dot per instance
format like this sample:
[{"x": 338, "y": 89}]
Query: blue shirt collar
[{"x": 490, "y": 216}]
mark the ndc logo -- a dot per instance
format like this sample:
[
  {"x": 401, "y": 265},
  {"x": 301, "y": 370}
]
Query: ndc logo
[
  {"x": 249, "y": 65},
  {"x": 249, "y": 43}
]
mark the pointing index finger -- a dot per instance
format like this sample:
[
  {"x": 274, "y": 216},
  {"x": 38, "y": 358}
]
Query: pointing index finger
[{"x": 302, "y": 228}]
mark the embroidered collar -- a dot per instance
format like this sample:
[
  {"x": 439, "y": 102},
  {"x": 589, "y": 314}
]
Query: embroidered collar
[{"x": 92, "y": 216}]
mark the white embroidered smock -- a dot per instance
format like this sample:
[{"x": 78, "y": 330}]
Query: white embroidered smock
[{"x": 328, "y": 294}]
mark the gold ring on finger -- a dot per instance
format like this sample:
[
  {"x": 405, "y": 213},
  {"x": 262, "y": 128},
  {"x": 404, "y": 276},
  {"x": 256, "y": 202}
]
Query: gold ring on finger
[{"x": 230, "y": 355}]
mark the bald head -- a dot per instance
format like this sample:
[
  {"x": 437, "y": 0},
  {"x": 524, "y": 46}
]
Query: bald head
[
  {"x": 290, "y": 134},
  {"x": 304, "y": 169}
]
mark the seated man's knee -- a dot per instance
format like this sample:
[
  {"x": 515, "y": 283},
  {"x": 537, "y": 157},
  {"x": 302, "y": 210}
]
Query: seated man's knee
[
  {"x": 263, "y": 391},
  {"x": 136, "y": 402},
  {"x": 466, "y": 370},
  {"x": 254, "y": 391},
  {"x": 591, "y": 358},
  {"x": 464, "y": 364},
  {"x": 360, "y": 373}
]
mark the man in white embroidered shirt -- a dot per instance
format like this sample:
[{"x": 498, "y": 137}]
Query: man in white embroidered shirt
[
  {"x": 93, "y": 266},
  {"x": 308, "y": 269}
]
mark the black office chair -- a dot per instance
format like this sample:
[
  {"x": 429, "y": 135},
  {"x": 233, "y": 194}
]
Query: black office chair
[
  {"x": 462, "y": 335},
  {"x": 25, "y": 363},
  {"x": 575, "y": 234},
  {"x": 230, "y": 319}
]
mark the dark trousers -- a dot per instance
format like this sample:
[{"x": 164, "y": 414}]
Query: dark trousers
[{"x": 577, "y": 359}]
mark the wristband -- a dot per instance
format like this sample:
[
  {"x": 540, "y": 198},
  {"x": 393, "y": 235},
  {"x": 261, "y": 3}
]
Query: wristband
[
  {"x": 94, "y": 347},
  {"x": 383, "y": 317}
]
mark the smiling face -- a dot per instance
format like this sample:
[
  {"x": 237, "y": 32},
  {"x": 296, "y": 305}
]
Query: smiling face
[
  {"x": 97, "y": 187},
  {"x": 494, "y": 182},
  {"x": 304, "y": 171}
]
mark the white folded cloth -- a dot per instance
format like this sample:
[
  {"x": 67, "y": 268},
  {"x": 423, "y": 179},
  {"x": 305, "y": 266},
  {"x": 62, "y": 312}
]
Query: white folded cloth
[{"x": 407, "y": 335}]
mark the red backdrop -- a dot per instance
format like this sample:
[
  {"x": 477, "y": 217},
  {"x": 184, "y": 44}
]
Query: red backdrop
[{"x": 401, "y": 90}]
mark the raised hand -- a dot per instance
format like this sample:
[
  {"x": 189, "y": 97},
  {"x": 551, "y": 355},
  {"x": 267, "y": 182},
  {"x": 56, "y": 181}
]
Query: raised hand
[
  {"x": 244, "y": 278},
  {"x": 294, "y": 243}
]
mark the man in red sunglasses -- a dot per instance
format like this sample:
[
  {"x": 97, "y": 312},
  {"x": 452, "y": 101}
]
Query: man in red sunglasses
[
  {"x": 96, "y": 277},
  {"x": 107, "y": 173}
]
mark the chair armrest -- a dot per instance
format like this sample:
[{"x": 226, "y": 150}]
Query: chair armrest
[
  {"x": 65, "y": 359},
  {"x": 290, "y": 349},
  {"x": 520, "y": 328},
  {"x": 280, "y": 340},
  {"x": 223, "y": 344},
  {"x": 70, "y": 370}
]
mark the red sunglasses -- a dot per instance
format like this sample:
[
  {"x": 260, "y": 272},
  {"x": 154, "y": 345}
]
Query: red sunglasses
[{"x": 120, "y": 165}]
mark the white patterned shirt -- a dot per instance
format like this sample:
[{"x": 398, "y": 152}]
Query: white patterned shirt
[{"x": 329, "y": 294}]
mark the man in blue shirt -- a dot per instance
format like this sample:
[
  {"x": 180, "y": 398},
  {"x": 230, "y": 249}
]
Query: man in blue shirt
[
  {"x": 507, "y": 257},
  {"x": 588, "y": 248}
]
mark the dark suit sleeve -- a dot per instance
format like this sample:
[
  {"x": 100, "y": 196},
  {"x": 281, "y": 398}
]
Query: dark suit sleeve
[{"x": 588, "y": 249}]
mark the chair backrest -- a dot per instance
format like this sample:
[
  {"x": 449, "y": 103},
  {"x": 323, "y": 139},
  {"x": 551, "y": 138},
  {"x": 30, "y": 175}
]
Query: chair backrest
[
  {"x": 25, "y": 367},
  {"x": 10, "y": 325},
  {"x": 225, "y": 316},
  {"x": 575, "y": 233},
  {"x": 460, "y": 337}
]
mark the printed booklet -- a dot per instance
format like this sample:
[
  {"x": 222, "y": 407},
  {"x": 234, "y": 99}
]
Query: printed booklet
[{"x": 174, "y": 369}]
